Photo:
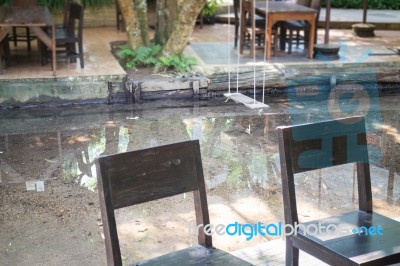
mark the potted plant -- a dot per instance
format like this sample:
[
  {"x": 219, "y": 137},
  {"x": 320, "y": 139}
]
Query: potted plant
[{"x": 210, "y": 10}]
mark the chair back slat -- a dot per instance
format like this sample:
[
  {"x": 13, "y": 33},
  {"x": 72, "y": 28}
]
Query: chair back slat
[
  {"x": 75, "y": 20},
  {"x": 150, "y": 174},
  {"x": 139, "y": 176},
  {"x": 326, "y": 144}
]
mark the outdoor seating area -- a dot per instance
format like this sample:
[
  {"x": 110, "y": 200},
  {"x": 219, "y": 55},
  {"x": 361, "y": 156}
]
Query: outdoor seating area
[
  {"x": 39, "y": 24},
  {"x": 267, "y": 152}
]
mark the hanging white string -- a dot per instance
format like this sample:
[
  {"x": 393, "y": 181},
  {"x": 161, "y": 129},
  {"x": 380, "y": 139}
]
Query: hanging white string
[
  {"x": 253, "y": 40},
  {"x": 265, "y": 50},
  {"x": 239, "y": 40},
  {"x": 229, "y": 48}
]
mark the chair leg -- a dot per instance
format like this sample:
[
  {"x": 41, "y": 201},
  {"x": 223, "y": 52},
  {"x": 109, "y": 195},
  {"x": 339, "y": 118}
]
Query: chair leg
[
  {"x": 14, "y": 29},
  {"x": 292, "y": 254},
  {"x": 275, "y": 43},
  {"x": 297, "y": 38},
  {"x": 28, "y": 38},
  {"x": 282, "y": 37},
  {"x": 290, "y": 41},
  {"x": 81, "y": 54},
  {"x": 241, "y": 41},
  {"x": 7, "y": 54},
  {"x": 236, "y": 34}
]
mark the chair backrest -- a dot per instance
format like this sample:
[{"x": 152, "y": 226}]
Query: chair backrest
[
  {"x": 320, "y": 145},
  {"x": 316, "y": 4},
  {"x": 248, "y": 15},
  {"x": 75, "y": 20},
  {"x": 236, "y": 10},
  {"x": 139, "y": 176},
  {"x": 66, "y": 13}
]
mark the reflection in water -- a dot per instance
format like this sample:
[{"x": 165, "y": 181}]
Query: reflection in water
[
  {"x": 238, "y": 145},
  {"x": 239, "y": 151}
]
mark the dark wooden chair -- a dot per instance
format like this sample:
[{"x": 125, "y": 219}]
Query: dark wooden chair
[
  {"x": 119, "y": 18},
  {"x": 4, "y": 54},
  {"x": 17, "y": 35},
  {"x": 298, "y": 26},
  {"x": 253, "y": 26},
  {"x": 236, "y": 12},
  {"x": 64, "y": 23},
  {"x": 135, "y": 177},
  {"x": 72, "y": 35},
  {"x": 325, "y": 144}
]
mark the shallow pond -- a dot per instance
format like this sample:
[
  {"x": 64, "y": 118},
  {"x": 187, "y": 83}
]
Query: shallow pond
[{"x": 49, "y": 201}]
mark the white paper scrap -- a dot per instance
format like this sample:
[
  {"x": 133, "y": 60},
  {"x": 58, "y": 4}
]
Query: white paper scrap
[
  {"x": 30, "y": 185},
  {"x": 39, "y": 186}
]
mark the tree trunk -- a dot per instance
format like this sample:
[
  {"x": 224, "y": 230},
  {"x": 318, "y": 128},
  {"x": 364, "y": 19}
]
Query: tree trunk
[
  {"x": 166, "y": 12},
  {"x": 132, "y": 24},
  {"x": 141, "y": 12},
  {"x": 183, "y": 27}
]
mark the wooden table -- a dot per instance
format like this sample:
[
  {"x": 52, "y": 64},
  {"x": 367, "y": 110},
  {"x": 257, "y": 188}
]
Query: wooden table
[
  {"x": 281, "y": 11},
  {"x": 34, "y": 17}
]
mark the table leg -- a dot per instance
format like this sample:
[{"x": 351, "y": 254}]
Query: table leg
[
  {"x": 268, "y": 38},
  {"x": 50, "y": 42},
  {"x": 53, "y": 49},
  {"x": 3, "y": 34},
  {"x": 311, "y": 37}
]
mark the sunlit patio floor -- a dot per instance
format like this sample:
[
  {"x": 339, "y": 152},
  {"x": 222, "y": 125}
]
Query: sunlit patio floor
[{"x": 210, "y": 46}]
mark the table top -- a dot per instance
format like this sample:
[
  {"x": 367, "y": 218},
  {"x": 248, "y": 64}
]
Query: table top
[
  {"x": 283, "y": 7},
  {"x": 37, "y": 16}
]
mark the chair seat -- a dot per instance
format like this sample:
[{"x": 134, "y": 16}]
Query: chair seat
[
  {"x": 260, "y": 22},
  {"x": 195, "y": 255},
  {"x": 296, "y": 24},
  {"x": 63, "y": 37},
  {"x": 359, "y": 246}
]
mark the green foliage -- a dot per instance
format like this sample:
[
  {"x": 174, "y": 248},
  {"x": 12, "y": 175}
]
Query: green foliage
[
  {"x": 143, "y": 56},
  {"x": 179, "y": 63},
  {"x": 211, "y": 7},
  {"x": 358, "y": 4},
  {"x": 151, "y": 56}
]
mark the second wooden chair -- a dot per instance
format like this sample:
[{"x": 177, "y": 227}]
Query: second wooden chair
[{"x": 135, "y": 177}]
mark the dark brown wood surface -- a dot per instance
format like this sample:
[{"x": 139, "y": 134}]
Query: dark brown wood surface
[
  {"x": 25, "y": 16},
  {"x": 138, "y": 176},
  {"x": 343, "y": 141},
  {"x": 150, "y": 174}
]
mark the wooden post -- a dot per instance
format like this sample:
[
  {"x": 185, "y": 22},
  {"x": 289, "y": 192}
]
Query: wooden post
[
  {"x": 327, "y": 20},
  {"x": 365, "y": 7}
]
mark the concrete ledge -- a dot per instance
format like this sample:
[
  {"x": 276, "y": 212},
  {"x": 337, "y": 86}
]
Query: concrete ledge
[{"x": 55, "y": 91}]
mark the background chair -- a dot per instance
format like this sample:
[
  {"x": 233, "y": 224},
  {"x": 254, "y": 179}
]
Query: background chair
[
  {"x": 65, "y": 15},
  {"x": 119, "y": 18},
  {"x": 253, "y": 26},
  {"x": 325, "y": 144},
  {"x": 17, "y": 35},
  {"x": 135, "y": 177},
  {"x": 67, "y": 39},
  {"x": 299, "y": 25},
  {"x": 4, "y": 54}
]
